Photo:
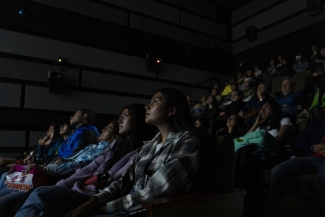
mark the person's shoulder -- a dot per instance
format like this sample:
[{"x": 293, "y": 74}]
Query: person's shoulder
[{"x": 286, "y": 121}]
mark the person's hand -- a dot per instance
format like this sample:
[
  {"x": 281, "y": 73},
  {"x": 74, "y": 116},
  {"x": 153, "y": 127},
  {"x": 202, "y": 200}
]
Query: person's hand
[
  {"x": 58, "y": 161},
  {"x": 319, "y": 148},
  {"x": 241, "y": 114},
  {"x": 27, "y": 159},
  {"x": 222, "y": 113},
  {"x": 44, "y": 140},
  {"x": 29, "y": 167},
  {"x": 259, "y": 119},
  {"x": 84, "y": 209}
]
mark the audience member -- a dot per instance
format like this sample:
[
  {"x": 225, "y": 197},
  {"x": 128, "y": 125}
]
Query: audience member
[
  {"x": 210, "y": 111},
  {"x": 249, "y": 89},
  {"x": 311, "y": 141},
  {"x": 261, "y": 148},
  {"x": 200, "y": 106},
  {"x": 235, "y": 127},
  {"x": 165, "y": 166},
  {"x": 272, "y": 68},
  {"x": 316, "y": 59},
  {"x": 300, "y": 65},
  {"x": 290, "y": 101},
  {"x": 105, "y": 169},
  {"x": 257, "y": 72},
  {"x": 45, "y": 152},
  {"x": 64, "y": 166},
  {"x": 84, "y": 134},
  {"x": 190, "y": 103},
  {"x": 227, "y": 90},
  {"x": 250, "y": 111},
  {"x": 281, "y": 66}
]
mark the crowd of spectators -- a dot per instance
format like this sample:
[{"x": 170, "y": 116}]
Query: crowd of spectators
[{"x": 113, "y": 172}]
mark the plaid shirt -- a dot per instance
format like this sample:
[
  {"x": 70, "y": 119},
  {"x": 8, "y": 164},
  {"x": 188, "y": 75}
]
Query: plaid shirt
[{"x": 152, "y": 174}]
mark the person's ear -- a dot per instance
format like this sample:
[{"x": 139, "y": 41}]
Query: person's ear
[
  {"x": 172, "y": 110},
  {"x": 84, "y": 117}
]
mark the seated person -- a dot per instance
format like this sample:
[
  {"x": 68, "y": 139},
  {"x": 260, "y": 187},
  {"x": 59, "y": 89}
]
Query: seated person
[
  {"x": 200, "y": 106},
  {"x": 210, "y": 111},
  {"x": 64, "y": 166},
  {"x": 250, "y": 111},
  {"x": 51, "y": 141},
  {"x": 227, "y": 90},
  {"x": 202, "y": 125},
  {"x": 316, "y": 59},
  {"x": 291, "y": 102},
  {"x": 102, "y": 171},
  {"x": 300, "y": 65},
  {"x": 235, "y": 127},
  {"x": 253, "y": 158},
  {"x": 257, "y": 72},
  {"x": 281, "y": 66},
  {"x": 83, "y": 135},
  {"x": 46, "y": 152},
  {"x": 165, "y": 166},
  {"x": 190, "y": 103},
  {"x": 311, "y": 142},
  {"x": 249, "y": 89},
  {"x": 227, "y": 99},
  {"x": 272, "y": 67},
  {"x": 234, "y": 107}
]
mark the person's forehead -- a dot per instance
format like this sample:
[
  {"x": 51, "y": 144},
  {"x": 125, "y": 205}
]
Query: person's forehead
[{"x": 286, "y": 81}]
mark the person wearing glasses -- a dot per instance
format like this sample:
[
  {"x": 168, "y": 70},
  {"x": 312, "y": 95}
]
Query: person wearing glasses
[
  {"x": 165, "y": 165},
  {"x": 300, "y": 65},
  {"x": 89, "y": 180}
]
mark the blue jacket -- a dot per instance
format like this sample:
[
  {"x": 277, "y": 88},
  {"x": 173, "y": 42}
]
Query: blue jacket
[{"x": 71, "y": 144}]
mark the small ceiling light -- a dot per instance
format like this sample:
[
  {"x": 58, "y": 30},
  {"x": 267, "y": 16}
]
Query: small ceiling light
[
  {"x": 21, "y": 12},
  {"x": 59, "y": 60},
  {"x": 158, "y": 60}
]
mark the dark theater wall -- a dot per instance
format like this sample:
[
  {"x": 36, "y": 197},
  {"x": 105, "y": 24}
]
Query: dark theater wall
[{"x": 103, "y": 46}]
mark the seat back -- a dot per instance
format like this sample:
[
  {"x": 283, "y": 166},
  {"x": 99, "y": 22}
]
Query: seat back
[{"x": 218, "y": 165}]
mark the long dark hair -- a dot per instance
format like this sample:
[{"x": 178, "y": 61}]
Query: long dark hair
[
  {"x": 56, "y": 129},
  {"x": 141, "y": 132},
  {"x": 182, "y": 120},
  {"x": 214, "y": 102},
  {"x": 274, "y": 120}
]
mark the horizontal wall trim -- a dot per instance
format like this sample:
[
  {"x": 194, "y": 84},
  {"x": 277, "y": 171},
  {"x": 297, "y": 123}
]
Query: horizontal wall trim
[
  {"x": 137, "y": 13},
  {"x": 13, "y": 149},
  {"x": 274, "y": 24},
  {"x": 257, "y": 13},
  {"x": 166, "y": 22},
  {"x": 40, "y": 119},
  {"x": 88, "y": 68}
]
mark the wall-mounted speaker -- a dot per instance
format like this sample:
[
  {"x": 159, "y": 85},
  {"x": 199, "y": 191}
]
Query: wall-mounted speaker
[
  {"x": 251, "y": 33},
  {"x": 54, "y": 82},
  {"x": 314, "y": 7}
]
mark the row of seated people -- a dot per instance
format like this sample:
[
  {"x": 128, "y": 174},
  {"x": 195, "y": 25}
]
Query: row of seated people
[
  {"x": 244, "y": 124},
  {"x": 143, "y": 180},
  {"x": 137, "y": 164}
]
